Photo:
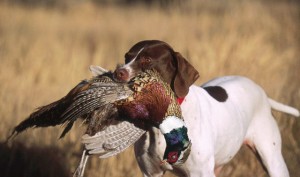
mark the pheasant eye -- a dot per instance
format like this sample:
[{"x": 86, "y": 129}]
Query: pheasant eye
[{"x": 172, "y": 157}]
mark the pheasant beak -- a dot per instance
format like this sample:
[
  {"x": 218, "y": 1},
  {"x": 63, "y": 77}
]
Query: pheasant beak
[{"x": 176, "y": 157}]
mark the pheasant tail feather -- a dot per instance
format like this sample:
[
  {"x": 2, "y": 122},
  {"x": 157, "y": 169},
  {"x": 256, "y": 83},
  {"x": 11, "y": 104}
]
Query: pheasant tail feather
[
  {"x": 49, "y": 115},
  {"x": 45, "y": 116}
]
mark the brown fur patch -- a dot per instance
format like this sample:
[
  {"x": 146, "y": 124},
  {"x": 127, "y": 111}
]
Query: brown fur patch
[{"x": 217, "y": 93}]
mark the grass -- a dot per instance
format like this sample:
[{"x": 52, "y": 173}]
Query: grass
[{"x": 44, "y": 52}]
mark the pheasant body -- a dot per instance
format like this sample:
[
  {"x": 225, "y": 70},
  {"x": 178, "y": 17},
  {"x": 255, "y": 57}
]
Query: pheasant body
[
  {"x": 117, "y": 114},
  {"x": 152, "y": 99}
]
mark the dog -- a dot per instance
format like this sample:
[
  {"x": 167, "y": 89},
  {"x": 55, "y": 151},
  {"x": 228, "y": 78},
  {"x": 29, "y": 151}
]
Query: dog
[{"x": 221, "y": 116}]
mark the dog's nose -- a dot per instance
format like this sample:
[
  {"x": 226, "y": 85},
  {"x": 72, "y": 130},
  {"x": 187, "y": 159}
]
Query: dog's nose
[{"x": 121, "y": 74}]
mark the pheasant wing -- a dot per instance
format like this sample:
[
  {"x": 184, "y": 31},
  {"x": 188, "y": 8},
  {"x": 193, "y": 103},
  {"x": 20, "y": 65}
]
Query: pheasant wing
[
  {"x": 113, "y": 139},
  {"x": 80, "y": 102},
  {"x": 100, "y": 91}
]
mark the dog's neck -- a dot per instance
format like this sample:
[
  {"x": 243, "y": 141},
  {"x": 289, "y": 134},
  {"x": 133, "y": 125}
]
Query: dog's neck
[{"x": 180, "y": 100}]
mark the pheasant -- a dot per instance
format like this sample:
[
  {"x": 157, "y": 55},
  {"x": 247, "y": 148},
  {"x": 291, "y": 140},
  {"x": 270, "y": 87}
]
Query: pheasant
[{"x": 117, "y": 115}]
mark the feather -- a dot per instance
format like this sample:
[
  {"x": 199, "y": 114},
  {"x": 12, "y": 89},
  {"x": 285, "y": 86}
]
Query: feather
[
  {"x": 113, "y": 139},
  {"x": 97, "y": 70},
  {"x": 116, "y": 114},
  {"x": 44, "y": 116},
  {"x": 82, "y": 101}
]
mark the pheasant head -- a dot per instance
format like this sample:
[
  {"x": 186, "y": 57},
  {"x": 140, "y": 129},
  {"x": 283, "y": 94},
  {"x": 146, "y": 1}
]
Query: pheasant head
[{"x": 154, "y": 101}]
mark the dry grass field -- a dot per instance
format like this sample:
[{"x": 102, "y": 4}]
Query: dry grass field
[{"x": 44, "y": 52}]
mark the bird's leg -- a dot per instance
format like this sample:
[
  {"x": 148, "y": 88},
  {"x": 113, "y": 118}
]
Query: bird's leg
[
  {"x": 84, "y": 164},
  {"x": 80, "y": 169}
]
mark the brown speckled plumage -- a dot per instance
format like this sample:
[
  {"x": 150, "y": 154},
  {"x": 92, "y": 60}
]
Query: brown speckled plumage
[
  {"x": 115, "y": 113},
  {"x": 152, "y": 99}
]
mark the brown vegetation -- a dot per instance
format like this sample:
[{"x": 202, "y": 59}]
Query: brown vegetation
[{"x": 44, "y": 52}]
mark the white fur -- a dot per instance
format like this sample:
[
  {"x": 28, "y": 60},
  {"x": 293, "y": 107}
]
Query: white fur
[
  {"x": 218, "y": 130},
  {"x": 128, "y": 66}
]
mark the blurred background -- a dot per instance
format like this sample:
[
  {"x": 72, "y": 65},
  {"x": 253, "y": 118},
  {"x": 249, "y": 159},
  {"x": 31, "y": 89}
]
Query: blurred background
[{"x": 46, "y": 47}]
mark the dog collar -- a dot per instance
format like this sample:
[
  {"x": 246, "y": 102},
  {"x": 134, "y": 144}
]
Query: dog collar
[{"x": 180, "y": 100}]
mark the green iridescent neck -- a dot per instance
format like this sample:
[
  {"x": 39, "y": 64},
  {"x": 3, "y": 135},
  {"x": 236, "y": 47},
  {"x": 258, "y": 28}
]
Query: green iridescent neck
[
  {"x": 177, "y": 140},
  {"x": 177, "y": 137}
]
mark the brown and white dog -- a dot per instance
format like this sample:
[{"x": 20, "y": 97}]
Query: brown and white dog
[
  {"x": 221, "y": 116},
  {"x": 174, "y": 69}
]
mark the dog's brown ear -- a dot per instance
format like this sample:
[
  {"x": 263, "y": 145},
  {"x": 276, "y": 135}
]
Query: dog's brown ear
[{"x": 186, "y": 75}]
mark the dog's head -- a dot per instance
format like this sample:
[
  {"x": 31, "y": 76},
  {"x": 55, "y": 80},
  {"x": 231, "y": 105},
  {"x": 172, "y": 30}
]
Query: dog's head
[{"x": 158, "y": 55}]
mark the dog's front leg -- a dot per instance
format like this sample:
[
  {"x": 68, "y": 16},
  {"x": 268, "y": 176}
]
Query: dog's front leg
[{"x": 203, "y": 169}]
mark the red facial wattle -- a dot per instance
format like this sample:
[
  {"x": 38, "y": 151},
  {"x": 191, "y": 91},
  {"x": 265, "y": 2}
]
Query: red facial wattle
[{"x": 172, "y": 157}]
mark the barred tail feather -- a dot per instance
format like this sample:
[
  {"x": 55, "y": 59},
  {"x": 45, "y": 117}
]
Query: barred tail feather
[{"x": 49, "y": 115}]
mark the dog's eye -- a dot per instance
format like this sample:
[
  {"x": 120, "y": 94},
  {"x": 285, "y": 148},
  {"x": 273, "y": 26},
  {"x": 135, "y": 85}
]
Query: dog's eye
[
  {"x": 148, "y": 60},
  {"x": 145, "y": 62}
]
